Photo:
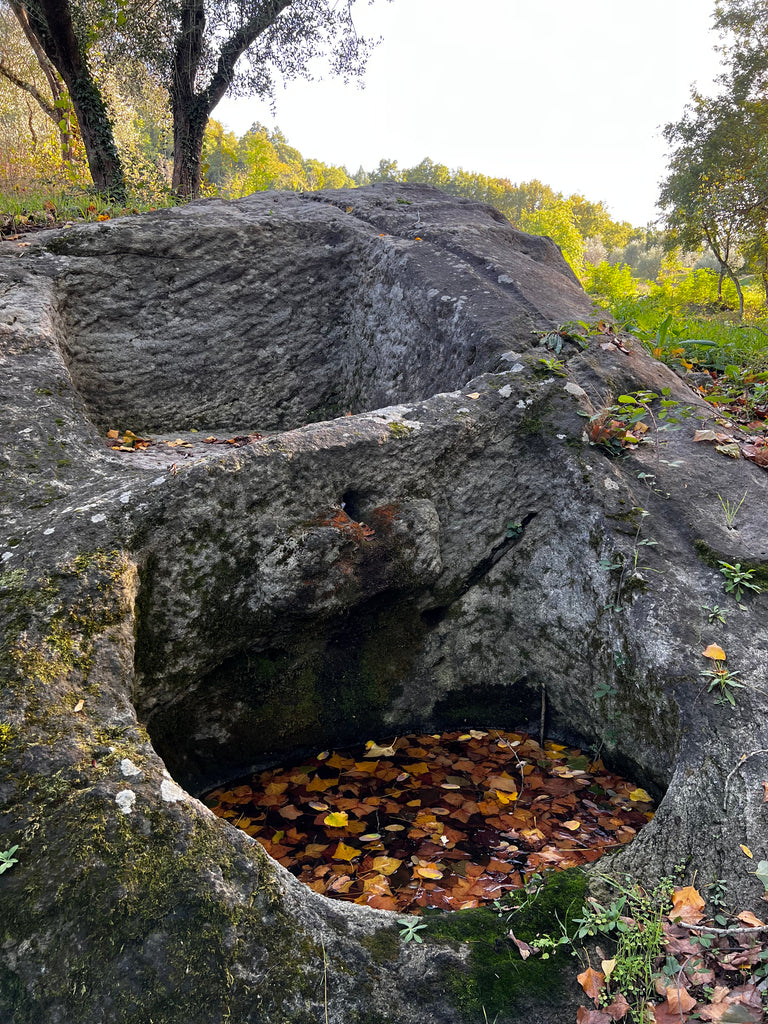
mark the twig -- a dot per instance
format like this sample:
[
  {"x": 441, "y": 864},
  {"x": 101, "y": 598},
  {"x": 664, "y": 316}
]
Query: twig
[
  {"x": 679, "y": 979},
  {"x": 732, "y": 772},
  {"x": 325, "y": 981},
  {"x": 520, "y": 764},
  {"x": 733, "y": 930},
  {"x": 543, "y": 715}
]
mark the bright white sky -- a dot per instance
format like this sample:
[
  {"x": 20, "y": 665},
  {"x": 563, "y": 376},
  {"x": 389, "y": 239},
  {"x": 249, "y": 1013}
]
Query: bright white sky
[{"x": 572, "y": 92}]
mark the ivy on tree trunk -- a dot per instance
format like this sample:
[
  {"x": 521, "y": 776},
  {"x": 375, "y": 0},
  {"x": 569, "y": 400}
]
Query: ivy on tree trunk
[{"x": 51, "y": 22}]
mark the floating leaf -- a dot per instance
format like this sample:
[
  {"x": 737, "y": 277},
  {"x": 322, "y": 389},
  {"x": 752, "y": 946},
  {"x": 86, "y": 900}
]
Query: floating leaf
[
  {"x": 344, "y": 852},
  {"x": 336, "y": 819},
  {"x": 640, "y": 796},
  {"x": 427, "y": 871},
  {"x": 386, "y": 865}
]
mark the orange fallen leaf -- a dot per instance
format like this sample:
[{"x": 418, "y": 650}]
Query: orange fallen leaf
[
  {"x": 592, "y": 982},
  {"x": 749, "y": 919},
  {"x": 679, "y": 999},
  {"x": 687, "y": 905},
  {"x": 746, "y": 851},
  {"x": 715, "y": 652}
]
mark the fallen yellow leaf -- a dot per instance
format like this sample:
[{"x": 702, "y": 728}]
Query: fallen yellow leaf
[
  {"x": 427, "y": 871},
  {"x": 336, "y": 819},
  {"x": 344, "y": 852},
  {"x": 386, "y": 865},
  {"x": 746, "y": 851},
  {"x": 640, "y": 796}
]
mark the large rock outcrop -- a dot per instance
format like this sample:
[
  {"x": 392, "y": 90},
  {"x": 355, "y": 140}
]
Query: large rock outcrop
[{"x": 415, "y": 540}]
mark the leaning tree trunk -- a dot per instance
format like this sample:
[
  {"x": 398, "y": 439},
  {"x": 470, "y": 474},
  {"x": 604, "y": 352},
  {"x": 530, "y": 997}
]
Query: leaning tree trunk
[
  {"x": 454, "y": 545},
  {"x": 51, "y": 22}
]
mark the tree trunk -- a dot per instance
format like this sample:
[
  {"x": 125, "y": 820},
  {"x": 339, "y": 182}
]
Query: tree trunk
[
  {"x": 191, "y": 109},
  {"x": 51, "y": 22},
  {"x": 189, "y": 123},
  {"x": 57, "y": 114}
]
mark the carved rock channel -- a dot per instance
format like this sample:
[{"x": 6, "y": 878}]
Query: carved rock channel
[{"x": 414, "y": 541}]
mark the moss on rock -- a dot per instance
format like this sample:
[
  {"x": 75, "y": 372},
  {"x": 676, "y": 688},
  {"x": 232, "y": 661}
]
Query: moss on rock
[{"x": 498, "y": 980}]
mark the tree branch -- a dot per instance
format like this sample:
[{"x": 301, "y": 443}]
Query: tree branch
[
  {"x": 32, "y": 90},
  {"x": 235, "y": 47}
]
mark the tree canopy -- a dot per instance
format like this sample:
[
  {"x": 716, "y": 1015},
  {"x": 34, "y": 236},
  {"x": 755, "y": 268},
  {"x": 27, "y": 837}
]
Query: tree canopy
[{"x": 198, "y": 50}]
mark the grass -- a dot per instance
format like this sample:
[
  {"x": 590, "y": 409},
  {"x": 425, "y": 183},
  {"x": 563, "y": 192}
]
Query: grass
[{"x": 34, "y": 205}]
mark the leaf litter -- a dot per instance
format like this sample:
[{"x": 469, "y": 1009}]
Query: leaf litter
[{"x": 452, "y": 820}]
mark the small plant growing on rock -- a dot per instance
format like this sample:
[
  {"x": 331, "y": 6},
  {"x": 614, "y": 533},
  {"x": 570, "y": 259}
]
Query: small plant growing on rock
[
  {"x": 409, "y": 929},
  {"x": 737, "y": 580},
  {"x": 7, "y": 860}
]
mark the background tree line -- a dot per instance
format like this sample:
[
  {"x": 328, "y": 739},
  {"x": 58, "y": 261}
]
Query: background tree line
[{"x": 154, "y": 86}]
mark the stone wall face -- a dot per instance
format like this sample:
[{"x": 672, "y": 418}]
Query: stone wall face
[{"x": 415, "y": 540}]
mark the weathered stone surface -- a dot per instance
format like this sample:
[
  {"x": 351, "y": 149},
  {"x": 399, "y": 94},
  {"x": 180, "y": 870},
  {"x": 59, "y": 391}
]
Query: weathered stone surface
[{"x": 213, "y": 608}]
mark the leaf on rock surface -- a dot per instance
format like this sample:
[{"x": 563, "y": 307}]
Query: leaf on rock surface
[
  {"x": 585, "y": 1016},
  {"x": 592, "y": 982},
  {"x": 687, "y": 905},
  {"x": 618, "y": 1009},
  {"x": 715, "y": 652},
  {"x": 679, "y": 1000}
]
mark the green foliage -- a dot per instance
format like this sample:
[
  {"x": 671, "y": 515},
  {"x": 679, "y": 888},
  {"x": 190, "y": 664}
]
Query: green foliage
[
  {"x": 410, "y": 928},
  {"x": 7, "y": 860},
  {"x": 731, "y": 508},
  {"x": 725, "y": 682},
  {"x": 737, "y": 580}
]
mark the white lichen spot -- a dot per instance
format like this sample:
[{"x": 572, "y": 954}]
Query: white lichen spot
[
  {"x": 610, "y": 485},
  {"x": 125, "y": 498},
  {"x": 506, "y": 391},
  {"x": 575, "y": 390},
  {"x": 128, "y": 768},
  {"x": 170, "y": 792},
  {"x": 505, "y": 279},
  {"x": 125, "y": 800},
  {"x": 7, "y": 555},
  {"x": 98, "y": 518},
  {"x": 157, "y": 481}
]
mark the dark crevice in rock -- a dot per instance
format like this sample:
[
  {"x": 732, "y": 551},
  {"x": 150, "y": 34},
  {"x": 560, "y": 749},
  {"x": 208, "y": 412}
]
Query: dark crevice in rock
[{"x": 434, "y": 616}]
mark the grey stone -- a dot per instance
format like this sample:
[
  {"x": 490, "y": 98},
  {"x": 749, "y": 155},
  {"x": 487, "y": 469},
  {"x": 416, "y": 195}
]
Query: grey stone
[{"x": 341, "y": 577}]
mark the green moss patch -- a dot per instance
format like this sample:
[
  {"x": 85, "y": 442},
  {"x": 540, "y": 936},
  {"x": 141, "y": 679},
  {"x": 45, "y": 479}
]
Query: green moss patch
[{"x": 498, "y": 979}]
